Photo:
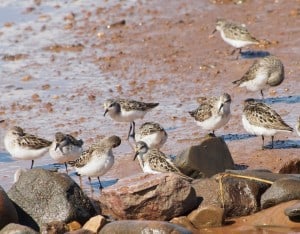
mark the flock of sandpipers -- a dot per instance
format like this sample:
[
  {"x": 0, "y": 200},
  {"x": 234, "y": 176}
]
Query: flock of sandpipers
[{"x": 212, "y": 113}]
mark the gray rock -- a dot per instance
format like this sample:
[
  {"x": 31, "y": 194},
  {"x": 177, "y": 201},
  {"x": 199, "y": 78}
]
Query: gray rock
[
  {"x": 206, "y": 159},
  {"x": 149, "y": 196},
  {"x": 138, "y": 227},
  {"x": 282, "y": 190},
  {"x": 293, "y": 212},
  {"x": 43, "y": 196},
  {"x": 14, "y": 228},
  {"x": 8, "y": 213}
]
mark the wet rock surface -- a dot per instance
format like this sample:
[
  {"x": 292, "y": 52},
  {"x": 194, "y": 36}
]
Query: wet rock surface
[
  {"x": 207, "y": 216},
  {"x": 205, "y": 159},
  {"x": 8, "y": 213},
  {"x": 282, "y": 190},
  {"x": 137, "y": 227},
  {"x": 241, "y": 196},
  {"x": 42, "y": 196},
  {"x": 293, "y": 212},
  {"x": 149, "y": 196}
]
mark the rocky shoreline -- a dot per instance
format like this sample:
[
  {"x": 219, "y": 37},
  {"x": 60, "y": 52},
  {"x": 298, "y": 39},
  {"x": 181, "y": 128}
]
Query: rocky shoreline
[{"x": 51, "y": 202}]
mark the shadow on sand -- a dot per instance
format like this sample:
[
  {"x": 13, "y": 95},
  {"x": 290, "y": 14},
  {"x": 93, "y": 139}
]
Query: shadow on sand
[
  {"x": 250, "y": 54},
  {"x": 288, "y": 100},
  {"x": 286, "y": 144}
]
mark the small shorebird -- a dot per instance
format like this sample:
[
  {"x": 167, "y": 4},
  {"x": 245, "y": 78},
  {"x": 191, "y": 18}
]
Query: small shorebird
[
  {"x": 125, "y": 110},
  {"x": 97, "y": 159},
  {"x": 213, "y": 112},
  {"x": 154, "y": 161},
  {"x": 65, "y": 148},
  {"x": 235, "y": 35},
  {"x": 260, "y": 119},
  {"x": 25, "y": 146},
  {"x": 298, "y": 126},
  {"x": 264, "y": 72},
  {"x": 152, "y": 134}
]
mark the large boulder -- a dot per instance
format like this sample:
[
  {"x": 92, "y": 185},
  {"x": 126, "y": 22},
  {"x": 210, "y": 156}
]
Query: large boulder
[
  {"x": 241, "y": 196},
  {"x": 209, "y": 157},
  {"x": 282, "y": 190},
  {"x": 43, "y": 196},
  {"x": 8, "y": 213},
  {"x": 149, "y": 196},
  {"x": 142, "y": 226}
]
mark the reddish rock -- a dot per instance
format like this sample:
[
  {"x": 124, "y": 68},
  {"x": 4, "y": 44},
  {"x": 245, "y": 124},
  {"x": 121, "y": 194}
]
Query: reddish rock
[
  {"x": 274, "y": 216},
  {"x": 8, "y": 213},
  {"x": 145, "y": 226},
  {"x": 208, "y": 191},
  {"x": 149, "y": 196}
]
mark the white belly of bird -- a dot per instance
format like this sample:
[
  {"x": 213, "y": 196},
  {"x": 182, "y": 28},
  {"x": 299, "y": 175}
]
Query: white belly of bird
[
  {"x": 235, "y": 42},
  {"x": 96, "y": 166},
  {"x": 18, "y": 152},
  {"x": 129, "y": 116},
  {"x": 155, "y": 140},
  {"x": 257, "y": 130},
  {"x": 68, "y": 153},
  {"x": 256, "y": 84},
  {"x": 214, "y": 122},
  {"x": 148, "y": 169}
]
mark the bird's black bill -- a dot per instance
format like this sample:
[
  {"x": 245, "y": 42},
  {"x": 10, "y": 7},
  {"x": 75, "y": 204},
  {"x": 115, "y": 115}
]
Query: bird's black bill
[
  {"x": 136, "y": 154},
  {"x": 105, "y": 112}
]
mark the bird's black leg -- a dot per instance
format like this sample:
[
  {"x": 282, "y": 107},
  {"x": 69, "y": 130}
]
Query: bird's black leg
[
  {"x": 272, "y": 137},
  {"x": 92, "y": 190},
  {"x": 240, "y": 53},
  {"x": 263, "y": 142},
  {"x": 130, "y": 128},
  {"x": 262, "y": 94},
  {"x": 100, "y": 185},
  {"x": 133, "y": 130},
  {"x": 32, "y": 162},
  {"x": 233, "y": 52},
  {"x": 66, "y": 166}
]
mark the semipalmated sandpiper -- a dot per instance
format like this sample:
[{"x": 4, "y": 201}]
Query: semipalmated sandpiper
[
  {"x": 65, "y": 148},
  {"x": 154, "y": 161},
  {"x": 260, "y": 119},
  {"x": 125, "y": 110},
  {"x": 264, "y": 72},
  {"x": 25, "y": 146},
  {"x": 97, "y": 159},
  {"x": 234, "y": 34},
  {"x": 213, "y": 112},
  {"x": 152, "y": 134}
]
